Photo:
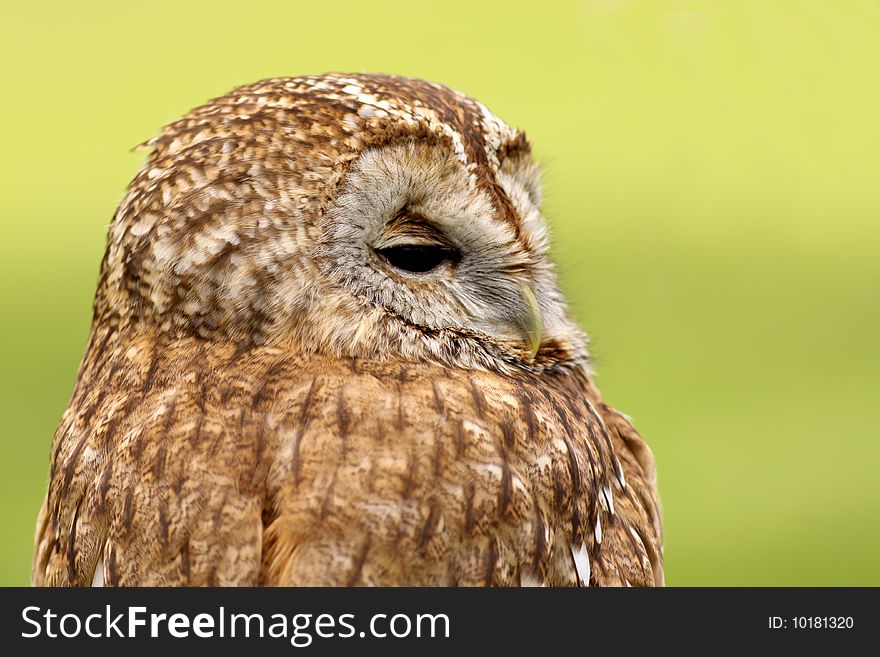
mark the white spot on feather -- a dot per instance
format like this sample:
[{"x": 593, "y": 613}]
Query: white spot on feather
[
  {"x": 581, "y": 564},
  {"x": 367, "y": 111},
  {"x": 98, "y": 577},
  {"x": 164, "y": 251},
  {"x": 609, "y": 498},
  {"x": 620, "y": 477},
  {"x": 89, "y": 454},
  {"x": 350, "y": 122},
  {"x": 143, "y": 226}
]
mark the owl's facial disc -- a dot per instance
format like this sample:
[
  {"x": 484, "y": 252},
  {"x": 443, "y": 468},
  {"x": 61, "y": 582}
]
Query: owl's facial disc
[
  {"x": 412, "y": 246},
  {"x": 411, "y": 235}
]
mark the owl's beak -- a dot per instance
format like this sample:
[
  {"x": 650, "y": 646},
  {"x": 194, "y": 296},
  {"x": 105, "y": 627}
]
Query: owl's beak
[{"x": 529, "y": 322}]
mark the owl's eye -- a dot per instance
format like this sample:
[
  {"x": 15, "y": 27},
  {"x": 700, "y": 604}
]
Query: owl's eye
[{"x": 418, "y": 258}]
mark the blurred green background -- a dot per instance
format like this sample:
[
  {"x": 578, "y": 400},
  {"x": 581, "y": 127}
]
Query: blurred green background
[{"x": 711, "y": 178}]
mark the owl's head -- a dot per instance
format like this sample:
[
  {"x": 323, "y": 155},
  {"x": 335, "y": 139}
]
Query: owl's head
[{"x": 367, "y": 216}]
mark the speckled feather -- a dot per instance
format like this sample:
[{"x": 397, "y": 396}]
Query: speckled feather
[{"x": 260, "y": 402}]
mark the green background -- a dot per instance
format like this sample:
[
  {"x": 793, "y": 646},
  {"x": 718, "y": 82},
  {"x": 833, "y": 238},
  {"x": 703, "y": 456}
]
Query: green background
[{"x": 711, "y": 179}]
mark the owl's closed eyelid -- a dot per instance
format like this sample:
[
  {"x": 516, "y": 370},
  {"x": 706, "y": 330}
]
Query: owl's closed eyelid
[
  {"x": 407, "y": 228},
  {"x": 411, "y": 239}
]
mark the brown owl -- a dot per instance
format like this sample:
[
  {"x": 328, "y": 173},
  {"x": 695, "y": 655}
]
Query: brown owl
[{"x": 328, "y": 348}]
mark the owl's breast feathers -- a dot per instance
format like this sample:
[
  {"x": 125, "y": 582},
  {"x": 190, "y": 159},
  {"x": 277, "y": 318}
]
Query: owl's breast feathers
[{"x": 181, "y": 462}]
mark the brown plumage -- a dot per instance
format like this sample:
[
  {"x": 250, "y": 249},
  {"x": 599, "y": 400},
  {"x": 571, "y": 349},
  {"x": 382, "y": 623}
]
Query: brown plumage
[{"x": 328, "y": 349}]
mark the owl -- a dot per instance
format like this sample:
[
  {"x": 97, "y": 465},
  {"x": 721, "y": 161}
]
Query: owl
[{"x": 329, "y": 349}]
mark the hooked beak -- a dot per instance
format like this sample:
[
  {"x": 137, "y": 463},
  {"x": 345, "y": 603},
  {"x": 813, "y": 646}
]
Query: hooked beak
[{"x": 529, "y": 321}]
